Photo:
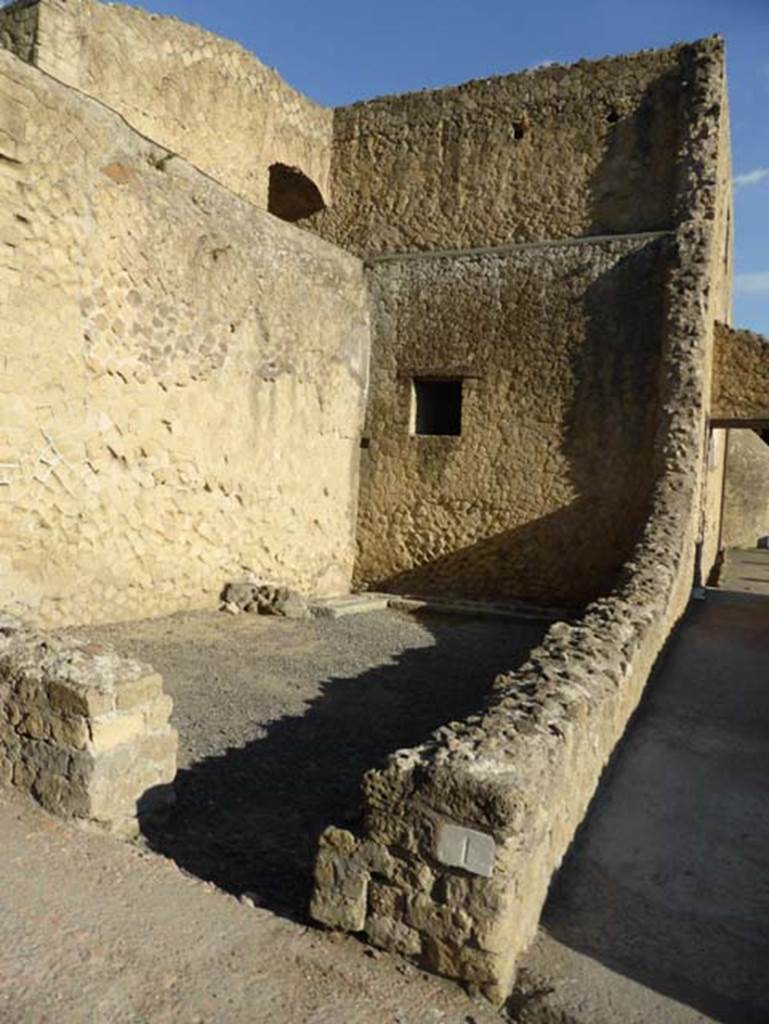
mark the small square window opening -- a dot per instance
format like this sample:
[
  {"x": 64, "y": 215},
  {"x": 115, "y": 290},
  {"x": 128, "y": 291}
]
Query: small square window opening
[{"x": 438, "y": 407}]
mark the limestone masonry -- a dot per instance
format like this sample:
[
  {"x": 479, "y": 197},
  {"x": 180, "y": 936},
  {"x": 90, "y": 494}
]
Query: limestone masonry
[{"x": 465, "y": 343}]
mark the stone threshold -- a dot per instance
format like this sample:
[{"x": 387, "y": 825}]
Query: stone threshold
[{"x": 357, "y": 604}]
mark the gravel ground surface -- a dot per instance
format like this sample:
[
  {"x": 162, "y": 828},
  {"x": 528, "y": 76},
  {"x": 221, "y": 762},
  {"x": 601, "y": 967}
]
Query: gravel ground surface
[
  {"x": 94, "y": 931},
  {"x": 279, "y": 719}
]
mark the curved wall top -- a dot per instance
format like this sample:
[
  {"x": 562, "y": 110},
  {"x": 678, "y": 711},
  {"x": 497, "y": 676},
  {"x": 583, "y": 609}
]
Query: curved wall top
[{"x": 205, "y": 98}]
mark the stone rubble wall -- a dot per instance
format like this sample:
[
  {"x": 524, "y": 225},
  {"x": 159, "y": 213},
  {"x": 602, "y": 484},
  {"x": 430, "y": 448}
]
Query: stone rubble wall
[
  {"x": 516, "y": 779},
  {"x": 18, "y": 28},
  {"x": 557, "y": 391},
  {"x": 741, "y": 385},
  {"x": 204, "y": 98},
  {"x": 549, "y": 153},
  {"x": 184, "y": 376},
  {"x": 84, "y": 731}
]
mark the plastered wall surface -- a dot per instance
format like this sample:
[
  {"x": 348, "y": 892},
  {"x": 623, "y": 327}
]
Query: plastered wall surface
[
  {"x": 199, "y": 95},
  {"x": 543, "y": 495},
  {"x": 183, "y": 375},
  {"x": 444, "y": 169},
  {"x": 746, "y": 500}
]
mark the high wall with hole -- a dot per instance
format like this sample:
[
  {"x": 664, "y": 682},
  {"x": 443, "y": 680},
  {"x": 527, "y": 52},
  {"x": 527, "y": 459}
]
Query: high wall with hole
[
  {"x": 184, "y": 373},
  {"x": 513, "y": 231},
  {"x": 455, "y": 342}
]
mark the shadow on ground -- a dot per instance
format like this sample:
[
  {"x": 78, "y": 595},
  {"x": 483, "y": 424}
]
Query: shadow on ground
[{"x": 248, "y": 819}]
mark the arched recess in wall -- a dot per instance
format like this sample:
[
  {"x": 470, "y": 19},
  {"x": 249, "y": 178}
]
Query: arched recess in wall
[{"x": 292, "y": 195}]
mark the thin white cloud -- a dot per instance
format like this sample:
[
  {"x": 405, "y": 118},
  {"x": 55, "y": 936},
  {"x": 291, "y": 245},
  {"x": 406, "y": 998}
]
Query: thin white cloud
[
  {"x": 751, "y": 177},
  {"x": 547, "y": 63},
  {"x": 752, "y": 284}
]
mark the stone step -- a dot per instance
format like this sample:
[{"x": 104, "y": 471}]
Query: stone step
[
  {"x": 347, "y": 604},
  {"x": 745, "y": 570},
  {"x": 449, "y": 606}
]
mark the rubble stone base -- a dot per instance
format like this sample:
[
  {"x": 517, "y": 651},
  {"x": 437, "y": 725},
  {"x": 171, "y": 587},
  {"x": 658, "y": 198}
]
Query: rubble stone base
[{"x": 82, "y": 730}]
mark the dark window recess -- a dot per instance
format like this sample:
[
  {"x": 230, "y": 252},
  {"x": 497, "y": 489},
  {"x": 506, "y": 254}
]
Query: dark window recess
[
  {"x": 438, "y": 407},
  {"x": 292, "y": 195}
]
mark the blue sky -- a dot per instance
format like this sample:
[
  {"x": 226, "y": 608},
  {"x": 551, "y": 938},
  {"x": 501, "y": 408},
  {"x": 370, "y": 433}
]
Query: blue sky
[{"x": 338, "y": 51}]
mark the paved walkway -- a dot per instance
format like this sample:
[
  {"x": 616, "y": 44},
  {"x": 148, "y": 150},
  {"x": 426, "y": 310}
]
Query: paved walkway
[
  {"x": 661, "y": 912},
  {"x": 745, "y": 571}
]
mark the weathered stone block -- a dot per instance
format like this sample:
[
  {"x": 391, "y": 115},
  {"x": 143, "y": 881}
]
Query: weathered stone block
[
  {"x": 63, "y": 740},
  {"x": 115, "y": 729},
  {"x": 138, "y": 691},
  {"x": 34, "y": 726},
  {"x": 70, "y": 732},
  {"x": 393, "y": 935},
  {"x": 265, "y": 599},
  {"x": 157, "y": 712},
  {"x": 73, "y": 699},
  {"x": 340, "y": 894}
]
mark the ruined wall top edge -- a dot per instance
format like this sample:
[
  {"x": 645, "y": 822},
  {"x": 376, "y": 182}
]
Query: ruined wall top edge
[
  {"x": 162, "y": 24},
  {"x": 617, "y": 67},
  {"x": 200, "y": 96}
]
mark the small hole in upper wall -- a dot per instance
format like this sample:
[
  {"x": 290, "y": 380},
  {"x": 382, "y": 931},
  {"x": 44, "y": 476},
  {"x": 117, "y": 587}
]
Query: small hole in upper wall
[
  {"x": 519, "y": 130},
  {"x": 613, "y": 116}
]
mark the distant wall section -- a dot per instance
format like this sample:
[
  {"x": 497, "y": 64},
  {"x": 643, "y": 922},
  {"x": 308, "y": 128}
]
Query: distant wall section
[
  {"x": 552, "y": 153},
  {"x": 746, "y": 501},
  {"x": 183, "y": 375},
  {"x": 203, "y": 97},
  {"x": 543, "y": 493},
  {"x": 18, "y": 28}
]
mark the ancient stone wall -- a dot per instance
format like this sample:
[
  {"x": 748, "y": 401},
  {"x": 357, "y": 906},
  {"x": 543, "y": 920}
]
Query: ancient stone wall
[
  {"x": 83, "y": 731},
  {"x": 741, "y": 377},
  {"x": 183, "y": 375},
  {"x": 746, "y": 498},
  {"x": 462, "y": 834},
  {"x": 714, "y": 452},
  {"x": 18, "y": 28},
  {"x": 200, "y": 96},
  {"x": 546, "y": 154},
  {"x": 543, "y": 494}
]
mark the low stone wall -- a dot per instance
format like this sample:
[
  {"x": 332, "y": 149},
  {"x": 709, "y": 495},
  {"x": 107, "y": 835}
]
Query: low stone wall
[
  {"x": 82, "y": 730},
  {"x": 461, "y": 835}
]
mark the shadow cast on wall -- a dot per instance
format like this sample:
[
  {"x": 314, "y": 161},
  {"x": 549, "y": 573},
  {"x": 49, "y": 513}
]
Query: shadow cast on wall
[
  {"x": 633, "y": 187},
  {"x": 607, "y": 437},
  {"x": 249, "y": 819}
]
